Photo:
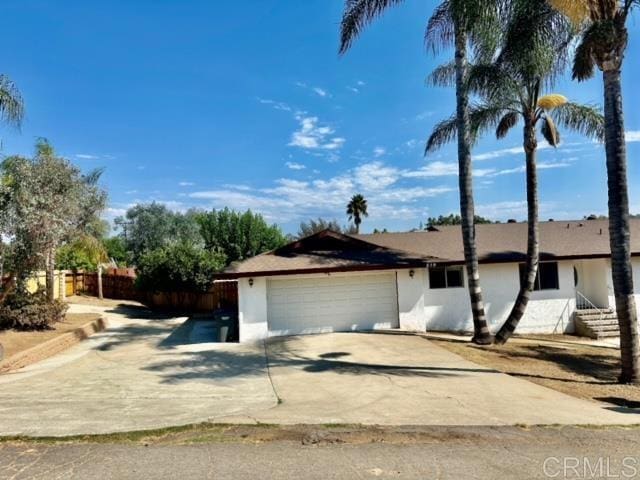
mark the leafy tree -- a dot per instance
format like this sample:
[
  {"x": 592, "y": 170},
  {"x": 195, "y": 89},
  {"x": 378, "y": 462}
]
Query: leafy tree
[
  {"x": 453, "y": 24},
  {"x": 11, "y": 104},
  {"x": 238, "y": 235},
  {"x": 179, "y": 267},
  {"x": 117, "y": 251},
  {"x": 603, "y": 44},
  {"x": 534, "y": 47},
  {"x": 147, "y": 227},
  {"x": 45, "y": 200},
  {"x": 314, "y": 226},
  {"x": 356, "y": 209},
  {"x": 453, "y": 219}
]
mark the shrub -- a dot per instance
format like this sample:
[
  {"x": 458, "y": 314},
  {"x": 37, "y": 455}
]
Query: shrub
[
  {"x": 22, "y": 310},
  {"x": 178, "y": 268}
]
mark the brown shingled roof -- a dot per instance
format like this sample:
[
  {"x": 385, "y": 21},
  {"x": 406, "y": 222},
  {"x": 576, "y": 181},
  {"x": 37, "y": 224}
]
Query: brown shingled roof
[
  {"x": 326, "y": 251},
  {"x": 329, "y": 251},
  {"x": 507, "y": 242}
]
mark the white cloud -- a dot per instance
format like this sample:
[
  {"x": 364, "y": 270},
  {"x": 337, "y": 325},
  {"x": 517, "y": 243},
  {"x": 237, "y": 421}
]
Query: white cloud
[
  {"x": 360, "y": 83},
  {"x": 424, "y": 115},
  {"x": 289, "y": 199},
  {"x": 86, "y": 156},
  {"x": 434, "y": 169},
  {"x": 353, "y": 89},
  {"x": 321, "y": 91},
  {"x": 632, "y": 136},
  {"x": 505, "y": 152},
  {"x": 379, "y": 151},
  {"x": 312, "y": 136},
  {"x": 295, "y": 166},
  {"x": 186, "y": 184},
  {"x": 276, "y": 105}
]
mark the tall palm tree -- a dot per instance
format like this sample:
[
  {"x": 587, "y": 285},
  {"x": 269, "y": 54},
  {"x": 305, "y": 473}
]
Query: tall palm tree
[
  {"x": 356, "y": 209},
  {"x": 603, "y": 44},
  {"x": 512, "y": 91},
  {"x": 451, "y": 25}
]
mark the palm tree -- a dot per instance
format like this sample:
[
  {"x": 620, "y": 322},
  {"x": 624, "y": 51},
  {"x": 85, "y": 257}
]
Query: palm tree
[
  {"x": 511, "y": 89},
  {"x": 603, "y": 44},
  {"x": 11, "y": 104},
  {"x": 451, "y": 24},
  {"x": 356, "y": 209}
]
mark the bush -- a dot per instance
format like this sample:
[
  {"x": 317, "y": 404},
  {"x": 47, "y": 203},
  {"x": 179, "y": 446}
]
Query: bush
[
  {"x": 22, "y": 310},
  {"x": 178, "y": 268}
]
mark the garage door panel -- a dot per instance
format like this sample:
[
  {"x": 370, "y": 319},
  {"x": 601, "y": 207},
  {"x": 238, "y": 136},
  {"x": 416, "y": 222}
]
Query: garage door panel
[{"x": 332, "y": 304}]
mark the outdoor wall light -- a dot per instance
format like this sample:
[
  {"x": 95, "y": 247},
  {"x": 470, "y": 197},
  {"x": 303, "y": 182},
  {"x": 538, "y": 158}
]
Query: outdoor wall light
[
  {"x": 412, "y": 273},
  {"x": 251, "y": 282}
]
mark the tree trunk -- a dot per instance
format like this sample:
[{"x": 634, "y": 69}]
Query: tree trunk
[
  {"x": 533, "y": 247},
  {"x": 619, "y": 227},
  {"x": 481, "y": 333},
  {"x": 100, "y": 296},
  {"x": 50, "y": 275}
]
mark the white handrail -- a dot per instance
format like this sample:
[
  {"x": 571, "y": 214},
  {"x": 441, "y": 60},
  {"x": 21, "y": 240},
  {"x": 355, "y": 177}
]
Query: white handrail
[{"x": 583, "y": 303}]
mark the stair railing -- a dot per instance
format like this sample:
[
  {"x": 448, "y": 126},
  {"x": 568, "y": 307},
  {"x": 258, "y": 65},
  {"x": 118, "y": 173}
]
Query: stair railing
[{"x": 583, "y": 303}]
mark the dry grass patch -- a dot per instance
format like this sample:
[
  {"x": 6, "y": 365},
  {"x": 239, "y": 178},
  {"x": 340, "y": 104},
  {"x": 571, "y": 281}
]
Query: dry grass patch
[
  {"x": 16, "y": 342},
  {"x": 554, "y": 361}
]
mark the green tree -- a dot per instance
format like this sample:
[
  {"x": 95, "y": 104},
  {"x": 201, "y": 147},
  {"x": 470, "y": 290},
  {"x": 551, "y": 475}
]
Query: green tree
[
  {"x": 356, "y": 209},
  {"x": 314, "y": 226},
  {"x": 147, "y": 227},
  {"x": 45, "y": 200},
  {"x": 117, "y": 251},
  {"x": 603, "y": 44},
  {"x": 453, "y": 219},
  {"x": 511, "y": 89},
  {"x": 180, "y": 267},
  {"x": 11, "y": 104},
  {"x": 238, "y": 235},
  {"x": 453, "y": 24}
]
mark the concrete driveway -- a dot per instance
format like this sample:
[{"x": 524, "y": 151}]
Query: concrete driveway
[
  {"x": 399, "y": 378},
  {"x": 145, "y": 371}
]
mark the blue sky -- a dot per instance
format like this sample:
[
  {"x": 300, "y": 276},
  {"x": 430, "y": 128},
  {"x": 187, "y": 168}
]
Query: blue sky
[{"x": 246, "y": 104}]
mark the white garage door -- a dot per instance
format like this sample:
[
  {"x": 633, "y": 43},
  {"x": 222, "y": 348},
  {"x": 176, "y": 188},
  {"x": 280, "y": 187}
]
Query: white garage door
[{"x": 332, "y": 304}]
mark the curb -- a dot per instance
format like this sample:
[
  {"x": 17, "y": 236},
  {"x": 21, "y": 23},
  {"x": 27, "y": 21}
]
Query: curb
[{"x": 53, "y": 346}]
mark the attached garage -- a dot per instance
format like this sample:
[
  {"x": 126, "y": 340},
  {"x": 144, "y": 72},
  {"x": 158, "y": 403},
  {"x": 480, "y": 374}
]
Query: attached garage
[{"x": 332, "y": 303}]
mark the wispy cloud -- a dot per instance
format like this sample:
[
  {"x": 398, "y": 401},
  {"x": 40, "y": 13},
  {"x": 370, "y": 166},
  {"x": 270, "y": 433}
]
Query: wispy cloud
[
  {"x": 312, "y": 136},
  {"x": 275, "y": 104},
  {"x": 321, "y": 91},
  {"x": 379, "y": 151},
  {"x": 186, "y": 184},
  {"x": 86, "y": 156},
  {"x": 295, "y": 166},
  {"x": 424, "y": 115},
  {"x": 632, "y": 136}
]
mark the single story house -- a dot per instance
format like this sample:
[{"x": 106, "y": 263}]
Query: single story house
[{"x": 417, "y": 281}]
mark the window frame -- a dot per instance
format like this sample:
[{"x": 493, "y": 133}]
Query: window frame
[
  {"x": 445, "y": 269},
  {"x": 537, "y": 285}
]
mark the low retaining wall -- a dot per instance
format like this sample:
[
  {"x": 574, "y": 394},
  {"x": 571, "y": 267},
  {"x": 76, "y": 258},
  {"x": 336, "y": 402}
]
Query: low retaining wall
[{"x": 52, "y": 347}]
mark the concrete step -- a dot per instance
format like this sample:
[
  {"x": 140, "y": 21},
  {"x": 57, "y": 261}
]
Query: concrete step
[
  {"x": 588, "y": 311},
  {"x": 598, "y": 321},
  {"x": 607, "y": 334}
]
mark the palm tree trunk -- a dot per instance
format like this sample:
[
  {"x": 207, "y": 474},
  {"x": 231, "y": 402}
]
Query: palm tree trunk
[
  {"x": 619, "y": 227},
  {"x": 533, "y": 246},
  {"x": 99, "y": 277},
  {"x": 481, "y": 333}
]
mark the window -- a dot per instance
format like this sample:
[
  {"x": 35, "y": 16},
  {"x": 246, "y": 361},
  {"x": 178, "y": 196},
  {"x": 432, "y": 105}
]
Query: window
[
  {"x": 446, "y": 277},
  {"x": 547, "y": 278}
]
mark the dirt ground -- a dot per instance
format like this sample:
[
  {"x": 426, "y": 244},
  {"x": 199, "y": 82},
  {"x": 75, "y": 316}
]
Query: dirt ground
[
  {"x": 554, "y": 361},
  {"x": 16, "y": 342}
]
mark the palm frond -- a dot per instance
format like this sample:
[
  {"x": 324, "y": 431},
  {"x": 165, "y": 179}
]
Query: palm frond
[
  {"x": 443, "y": 76},
  {"x": 11, "y": 103},
  {"x": 584, "y": 62},
  {"x": 440, "y": 31},
  {"x": 93, "y": 176},
  {"x": 491, "y": 81},
  {"x": 549, "y": 131},
  {"x": 507, "y": 122},
  {"x": 551, "y": 101},
  {"x": 585, "y": 119},
  {"x": 357, "y": 15},
  {"x": 443, "y": 133}
]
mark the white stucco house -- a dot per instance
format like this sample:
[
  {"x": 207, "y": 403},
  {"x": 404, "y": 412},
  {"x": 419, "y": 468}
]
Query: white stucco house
[{"x": 416, "y": 281}]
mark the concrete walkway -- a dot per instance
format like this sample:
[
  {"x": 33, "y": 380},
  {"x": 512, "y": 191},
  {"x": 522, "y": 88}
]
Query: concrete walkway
[
  {"x": 399, "y": 378},
  {"x": 143, "y": 372}
]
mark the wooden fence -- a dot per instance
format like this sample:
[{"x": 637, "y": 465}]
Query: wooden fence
[{"x": 120, "y": 285}]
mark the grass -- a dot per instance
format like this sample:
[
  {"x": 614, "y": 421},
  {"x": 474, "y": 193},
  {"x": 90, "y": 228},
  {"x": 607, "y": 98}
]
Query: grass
[
  {"x": 555, "y": 361},
  {"x": 16, "y": 341}
]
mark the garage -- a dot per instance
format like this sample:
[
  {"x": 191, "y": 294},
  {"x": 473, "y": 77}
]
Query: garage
[{"x": 332, "y": 303}]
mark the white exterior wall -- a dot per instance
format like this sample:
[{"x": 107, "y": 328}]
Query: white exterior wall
[
  {"x": 252, "y": 309},
  {"x": 411, "y": 299},
  {"x": 635, "y": 263},
  {"x": 548, "y": 310}
]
